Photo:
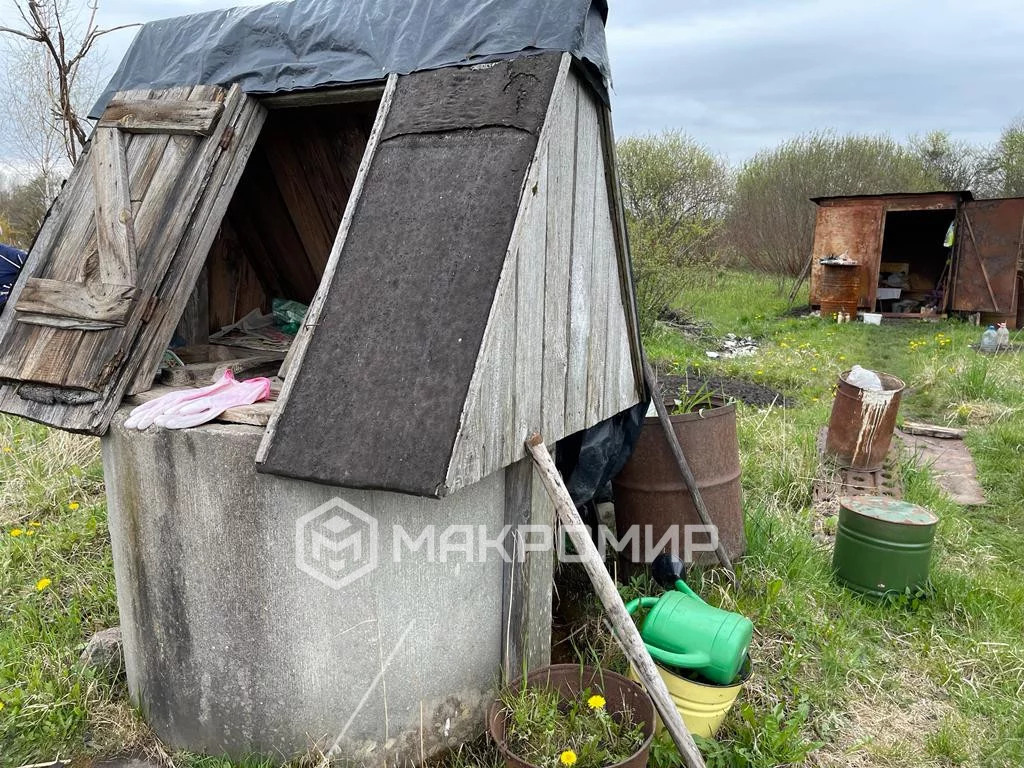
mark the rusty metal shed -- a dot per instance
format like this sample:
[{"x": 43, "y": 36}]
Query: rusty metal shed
[{"x": 905, "y": 232}]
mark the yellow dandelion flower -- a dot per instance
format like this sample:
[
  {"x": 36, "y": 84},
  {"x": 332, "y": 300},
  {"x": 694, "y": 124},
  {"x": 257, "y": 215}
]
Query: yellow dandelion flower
[
  {"x": 74, "y": 505},
  {"x": 7, "y": 449},
  {"x": 30, "y": 532},
  {"x": 42, "y": 584},
  {"x": 842, "y": 357},
  {"x": 596, "y": 702},
  {"x": 35, "y": 524},
  {"x": 813, "y": 369},
  {"x": 16, "y": 531},
  {"x": 567, "y": 758}
]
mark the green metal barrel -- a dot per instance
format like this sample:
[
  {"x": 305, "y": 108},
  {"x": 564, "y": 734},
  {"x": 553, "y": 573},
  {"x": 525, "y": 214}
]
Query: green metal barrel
[{"x": 883, "y": 545}]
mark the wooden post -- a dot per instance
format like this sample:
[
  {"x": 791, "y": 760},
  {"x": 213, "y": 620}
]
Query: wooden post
[
  {"x": 626, "y": 632},
  {"x": 684, "y": 467}
]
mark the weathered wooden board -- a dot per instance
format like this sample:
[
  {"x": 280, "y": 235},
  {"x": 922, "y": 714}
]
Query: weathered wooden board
[
  {"x": 559, "y": 348},
  {"x": 115, "y": 226},
  {"x": 933, "y": 430},
  {"x": 174, "y": 182},
  {"x": 589, "y": 173},
  {"x": 99, "y": 302},
  {"x": 87, "y": 359},
  {"x": 188, "y": 118},
  {"x": 244, "y": 127},
  {"x": 631, "y": 376},
  {"x": 527, "y": 583},
  {"x": 561, "y": 183}
]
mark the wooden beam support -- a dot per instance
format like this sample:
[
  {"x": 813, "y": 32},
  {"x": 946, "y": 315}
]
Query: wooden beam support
[
  {"x": 96, "y": 302},
  {"x": 115, "y": 225},
  {"x": 183, "y": 118},
  {"x": 625, "y": 631}
]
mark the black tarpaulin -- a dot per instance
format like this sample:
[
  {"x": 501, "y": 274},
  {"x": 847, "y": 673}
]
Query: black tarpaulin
[{"x": 308, "y": 44}]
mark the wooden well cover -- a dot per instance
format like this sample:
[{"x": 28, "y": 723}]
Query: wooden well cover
[{"x": 110, "y": 271}]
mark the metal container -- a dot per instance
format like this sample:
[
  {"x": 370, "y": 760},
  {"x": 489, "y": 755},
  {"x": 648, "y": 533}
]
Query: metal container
[
  {"x": 649, "y": 491},
  {"x": 702, "y": 705},
  {"x": 883, "y": 545},
  {"x": 862, "y": 422},
  {"x": 839, "y": 289},
  {"x": 570, "y": 680}
]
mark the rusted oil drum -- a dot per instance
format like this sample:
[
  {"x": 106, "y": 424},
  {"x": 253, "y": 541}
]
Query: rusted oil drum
[
  {"x": 839, "y": 289},
  {"x": 862, "y": 422},
  {"x": 883, "y": 545},
  {"x": 649, "y": 491}
]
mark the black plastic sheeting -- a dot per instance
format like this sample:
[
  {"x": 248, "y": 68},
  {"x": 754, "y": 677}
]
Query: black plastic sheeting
[
  {"x": 317, "y": 43},
  {"x": 591, "y": 458}
]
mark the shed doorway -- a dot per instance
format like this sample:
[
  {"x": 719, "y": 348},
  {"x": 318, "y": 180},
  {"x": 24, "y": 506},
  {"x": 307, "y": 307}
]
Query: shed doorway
[
  {"x": 272, "y": 248},
  {"x": 915, "y": 265}
]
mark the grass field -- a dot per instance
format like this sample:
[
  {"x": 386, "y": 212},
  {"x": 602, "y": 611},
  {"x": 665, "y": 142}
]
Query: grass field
[{"x": 838, "y": 681}]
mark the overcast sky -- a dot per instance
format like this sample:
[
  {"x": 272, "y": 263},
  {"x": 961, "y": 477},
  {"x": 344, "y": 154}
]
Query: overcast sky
[{"x": 740, "y": 75}]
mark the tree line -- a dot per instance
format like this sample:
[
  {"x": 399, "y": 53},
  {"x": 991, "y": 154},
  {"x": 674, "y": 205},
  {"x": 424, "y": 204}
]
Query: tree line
[{"x": 687, "y": 209}]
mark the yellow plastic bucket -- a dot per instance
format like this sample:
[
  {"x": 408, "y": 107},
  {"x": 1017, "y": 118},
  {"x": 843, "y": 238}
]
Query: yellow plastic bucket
[{"x": 703, "y": 706}]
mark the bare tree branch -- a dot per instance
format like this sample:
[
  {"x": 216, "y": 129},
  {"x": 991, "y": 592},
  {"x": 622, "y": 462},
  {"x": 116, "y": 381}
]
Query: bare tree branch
[{"x": 66, "y": 47}]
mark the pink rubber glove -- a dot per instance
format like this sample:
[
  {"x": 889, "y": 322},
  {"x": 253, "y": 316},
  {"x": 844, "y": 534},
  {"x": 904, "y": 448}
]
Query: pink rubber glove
[
  {"x": 200, "y": 410},
  {"x": 146, "y": 414}
]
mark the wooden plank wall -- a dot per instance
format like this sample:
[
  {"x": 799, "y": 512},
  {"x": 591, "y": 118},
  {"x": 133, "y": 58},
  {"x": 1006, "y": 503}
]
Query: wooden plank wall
[
  {"x": 282, "y": 222},
  {"x": 556, "y": 355}
]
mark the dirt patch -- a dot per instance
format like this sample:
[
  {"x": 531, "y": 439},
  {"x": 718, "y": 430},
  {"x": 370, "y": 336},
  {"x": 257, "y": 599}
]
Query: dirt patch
[
  {"x": 743, "y": 390},
  {"x": 887, "y": 724}
]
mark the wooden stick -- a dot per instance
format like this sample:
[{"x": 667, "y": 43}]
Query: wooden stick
[
  {"x": 800, "y": 281},
  {"x": 626, "y": 632},
  {"x": 981, "y": 263},
  {"x": 684, "y": 467}
]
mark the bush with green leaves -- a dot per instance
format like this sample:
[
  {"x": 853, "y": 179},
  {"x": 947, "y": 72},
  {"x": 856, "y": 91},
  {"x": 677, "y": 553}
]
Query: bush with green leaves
[
  {"x": 771, "y": 223},
  {"x": 676, "y": 194}
]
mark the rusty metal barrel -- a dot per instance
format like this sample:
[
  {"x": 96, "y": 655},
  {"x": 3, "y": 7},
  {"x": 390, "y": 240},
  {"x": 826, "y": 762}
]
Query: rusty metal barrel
[
  {"x": 862, "y": 422},
  {"x": 839, "y": 288},
  {"x": 883, "y": 545},
  {"x": 650, "y": 492}
]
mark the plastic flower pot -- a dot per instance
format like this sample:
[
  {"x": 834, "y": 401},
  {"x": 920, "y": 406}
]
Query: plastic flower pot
[{"x": 570, "y": 680}]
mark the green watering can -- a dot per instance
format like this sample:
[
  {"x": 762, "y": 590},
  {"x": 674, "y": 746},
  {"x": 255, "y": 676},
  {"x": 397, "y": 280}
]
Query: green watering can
[{"x": 681, "y": 630}]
